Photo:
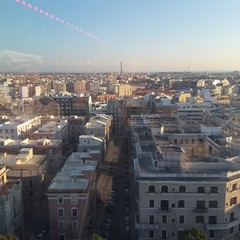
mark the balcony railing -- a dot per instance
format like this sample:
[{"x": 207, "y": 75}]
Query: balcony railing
[
  {"x": 146, "y": 226},
  {"x": 223, "y": 226}
]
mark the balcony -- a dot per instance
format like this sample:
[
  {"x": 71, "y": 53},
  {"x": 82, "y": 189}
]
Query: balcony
[
  {"x": 146, "y": 226},
  {"x": 223, "y": 226}
]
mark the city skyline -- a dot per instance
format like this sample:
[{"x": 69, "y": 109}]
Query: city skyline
[{"x": 95, "y": 36}]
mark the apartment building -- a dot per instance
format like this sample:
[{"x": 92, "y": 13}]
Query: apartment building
[
  {"x": 70, "y": 196},
  {"x": 19, "y": 128},
  {"x": 90, "y": 142},
  {"x": 178, "y": 189},
  {"x": 54, "y": 130},
  {"x": 32, "y": 170},
  {"x": 99, "y": 126},
  {"x": 11, "y": 205},
  {"x": 50, "y": 148}
]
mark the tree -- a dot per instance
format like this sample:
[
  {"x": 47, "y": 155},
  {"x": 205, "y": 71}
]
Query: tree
[
  {"x": 193, "y": 234},
  {"x": 8, "y": 237},
  {"x": 94, "y": 237}
]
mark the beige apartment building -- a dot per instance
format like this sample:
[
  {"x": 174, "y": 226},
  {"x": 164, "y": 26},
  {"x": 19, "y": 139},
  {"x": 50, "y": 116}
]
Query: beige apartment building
[{"x": 32, "y": 170}]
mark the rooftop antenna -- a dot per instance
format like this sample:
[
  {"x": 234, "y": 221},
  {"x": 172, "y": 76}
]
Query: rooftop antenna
[{"x": 120, "y": 68}]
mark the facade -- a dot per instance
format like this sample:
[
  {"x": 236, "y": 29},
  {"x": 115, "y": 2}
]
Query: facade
[
  {"x": 50, "y": 148},
  {"x": 90, "y": 142},
  {"x": 19, "y": 128},
  {"x": 11, "y": 205},
  {"x": 32, "y": 170},
  {"x": 73, "y": 105},
  {"x": 54, "y": 130},
  {"x": 75, "y": 129},
  {"x": 69, "y": 198},
  {"x": 116, "y": 109},
  {"x": 177, "y": 188},
  {"x": 99, "y": 126}
]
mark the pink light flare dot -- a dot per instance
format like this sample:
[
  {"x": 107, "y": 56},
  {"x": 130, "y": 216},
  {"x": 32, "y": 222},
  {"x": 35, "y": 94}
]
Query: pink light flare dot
[
  {"x": 46, "y": 14},
  {"x": 76, "y": 28},
  {"x": 52, "y": 16},
  {"x": 17, "y": 1},
  {"x": 62, "y": 21},
  {"x": 23, "y": 3},
  {"x": 41, "y": 11},
  {"x": 29, "y": 5},
  {"x": 35, "y": 8},
  {"x": 57, "y": 18}
]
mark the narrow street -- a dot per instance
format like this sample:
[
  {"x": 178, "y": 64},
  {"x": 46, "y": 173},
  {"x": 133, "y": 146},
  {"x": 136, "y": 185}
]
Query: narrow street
[{"x": 115, "y": 193}]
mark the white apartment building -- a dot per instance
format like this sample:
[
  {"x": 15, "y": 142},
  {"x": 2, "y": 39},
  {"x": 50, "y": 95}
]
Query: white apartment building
[
  {"x": 19, "y": 128},
  {"x": 89, "y": 142},
  {"x": 99, "y": 126}
]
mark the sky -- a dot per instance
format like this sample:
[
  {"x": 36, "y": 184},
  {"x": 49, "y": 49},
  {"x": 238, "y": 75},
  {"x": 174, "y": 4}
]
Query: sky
[{"x": 96, "y": 35}]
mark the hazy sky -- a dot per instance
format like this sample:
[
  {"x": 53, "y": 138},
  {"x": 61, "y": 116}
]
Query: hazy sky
[{"x": 146, "y": 35}]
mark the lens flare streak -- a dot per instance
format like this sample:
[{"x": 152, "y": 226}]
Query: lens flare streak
[{"x": 62, "y": 21}]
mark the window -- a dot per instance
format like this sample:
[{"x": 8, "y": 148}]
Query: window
[
  {"x": 181, "y": 204},
  {"x": 181, "y": 141},
  {"x": 181, "y": 219},
  {"x": 164, "y": 218},
  {"x": 192, "y": 141},
  {"x": 164, "y": 205},
  {"x": 151, "y": 233},
  {"x": 234, "y": 187},
  {"x": 60, "y": 199},
  {"x": 151, "y": 203},
  {"x": 232, "y": 217},
  {"x": 74, "y": 199},
  {"x": 164, "y": 189},
  {"x": 30, "y": 184},
  {"x": 212, "y": 220},
  {"x": 199, "y": 219},
  {"x": 74, "y": 225},
  {"x": 233, "y": 201},
  {"x": 61, "y": 237},
  {"x": 201, "y": 189},
  {"x": 61, "y": 225},
  {"x": 60, "y": 212},
  {"x": 151, "y": 219},
  {"x": 164, "y": 234},
  {"x": 213, "y": 204},
  {"x": 213, "y": 189},
  {"x": 182, "y": 189},
  {"x": 200, "y": 204},
  {"x": 74, "y": 212},
  {"x": 211, "y": 234},
  {"x": 151, "y": 189},
  {"x": 232, "y": 230},
  {"x": 31, "y": 193}
]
